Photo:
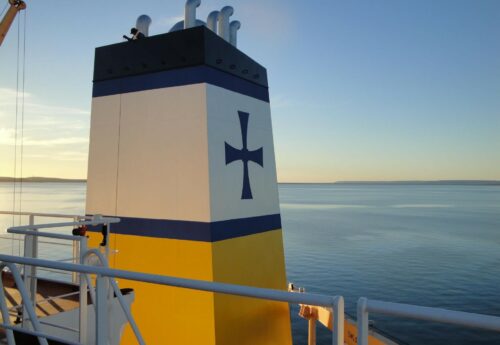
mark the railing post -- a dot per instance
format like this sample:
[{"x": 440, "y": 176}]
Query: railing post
[
  {"x": 311, "y": 338},
  {"x": 5, "y": 311},
  {"x": 76, "y": 256},
  {"x": 338, "y": 320},
  {"x": 83, "y": 293},
  {"x": 30, "y": 281},
  {"x": 107, "y": 251},
  {"x": 107, "y": 254},
  {"x": 362, "y": 315},
  {"x": 101, "y": 304},
  {"x": 30, "y": 310}
]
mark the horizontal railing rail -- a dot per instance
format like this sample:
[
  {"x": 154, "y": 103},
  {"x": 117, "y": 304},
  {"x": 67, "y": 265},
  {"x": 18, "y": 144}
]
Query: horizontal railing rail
[
  {"x": 93, "y": 221},
  {"x": 460, "y": 318},
  {"x": 336, "y": 302},
  {"x": 15, "y": 230},
  {"x": 232, "y": 289},
  {"x": 45, "y": 215}
]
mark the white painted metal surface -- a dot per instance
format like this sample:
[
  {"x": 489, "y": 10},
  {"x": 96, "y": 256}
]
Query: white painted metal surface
[
  {"x": 226, "y": 180},
  {"x": 84, "y": 286},
  {"x": 30, "y": 251},
  {"x": 170, "y": 162},
  {"x": 101, "y": 311},
  {"x": 187, "y": 179},
  {"x": 103, "y": 155}
]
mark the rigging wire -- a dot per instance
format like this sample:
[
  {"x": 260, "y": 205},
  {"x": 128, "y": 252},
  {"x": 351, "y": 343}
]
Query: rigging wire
[
  {"x": 22, "y": 115},
  {"x": 15, "y": 129},
  {"x": 22, "y": 121},
  {"x": 20, "y": 98}
]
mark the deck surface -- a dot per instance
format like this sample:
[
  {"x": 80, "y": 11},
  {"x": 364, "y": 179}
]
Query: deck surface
[{"x": 48, "y": 302}]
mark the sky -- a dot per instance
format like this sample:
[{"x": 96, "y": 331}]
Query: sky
[{"x": 360, "y": 90}]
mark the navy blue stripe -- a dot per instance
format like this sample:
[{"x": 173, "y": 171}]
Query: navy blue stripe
[
  {"x": 179, "y": 77},
  {"x": 195, "y": 231}
]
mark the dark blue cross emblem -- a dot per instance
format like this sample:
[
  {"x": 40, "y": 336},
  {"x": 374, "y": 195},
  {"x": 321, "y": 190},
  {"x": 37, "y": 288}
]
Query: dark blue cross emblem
[{"x": 244, "y": 155}]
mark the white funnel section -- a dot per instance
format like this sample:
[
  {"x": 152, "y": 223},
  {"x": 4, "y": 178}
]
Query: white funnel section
[
  {"x": 142, "y": 24},
  {"x": 190, "y": 13},
  {"x": 212, "y": 20},
  {"x": 223, "y": 18},
  {"x": 234, "y": 26}
]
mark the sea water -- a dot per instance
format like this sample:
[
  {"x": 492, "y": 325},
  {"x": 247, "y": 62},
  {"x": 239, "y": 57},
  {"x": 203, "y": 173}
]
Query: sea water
[{"x": 432, "y": 245}]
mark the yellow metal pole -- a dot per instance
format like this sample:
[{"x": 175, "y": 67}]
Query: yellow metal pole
[
  {"x": 10, "y": 15},
  {"x": 311, "y": 340}
]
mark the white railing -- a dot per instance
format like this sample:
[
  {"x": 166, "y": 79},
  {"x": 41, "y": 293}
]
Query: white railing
[
  {"x": 31, "y": 249},
  {"x": 335, "y": 302},
  {"x": 105, "y": 276},
  {"x": 366, "y": 306},
  {"x": 32, "y": 234}
]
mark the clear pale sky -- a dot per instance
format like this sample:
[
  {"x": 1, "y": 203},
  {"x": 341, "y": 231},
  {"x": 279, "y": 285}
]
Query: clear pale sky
[{"x": 360, "y": 90}]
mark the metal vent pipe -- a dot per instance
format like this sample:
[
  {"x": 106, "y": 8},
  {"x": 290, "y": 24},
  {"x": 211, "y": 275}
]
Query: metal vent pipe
[
  {"x": 190, "y": 13},
  {"x": 223, "y": 25},
  {"x": 212, "y": 21},
  {"x": 234, "y": 26},
  {"x": 142, "y": 24}
]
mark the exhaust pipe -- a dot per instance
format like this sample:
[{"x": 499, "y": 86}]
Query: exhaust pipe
[
  {"x": 142, "y": 24},
  {"x": 223, "y": 25},
  {"x": 190, "y": 13},
  {"x": 234, "y": 26},
  {"x": 212, "y": 21}
]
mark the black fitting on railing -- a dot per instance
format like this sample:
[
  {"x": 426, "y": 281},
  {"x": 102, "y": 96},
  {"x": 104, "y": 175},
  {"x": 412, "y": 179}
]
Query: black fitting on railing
[
  {"x": 104, "y": 232},
  {"x": 80, "y": 231}
]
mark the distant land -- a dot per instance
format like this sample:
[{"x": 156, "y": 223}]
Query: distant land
[
  {"x": 40, "y": 179},
  {"x": 432, "y": 182},
  {"x": 409, "y": 182}
]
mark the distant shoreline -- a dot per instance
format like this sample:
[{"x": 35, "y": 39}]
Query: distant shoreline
[
  {"x": 409, "y": 182},
  {"x": 40, "y": 179}
]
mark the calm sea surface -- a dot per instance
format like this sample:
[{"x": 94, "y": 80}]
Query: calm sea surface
[{"x": 421, "y": 244}]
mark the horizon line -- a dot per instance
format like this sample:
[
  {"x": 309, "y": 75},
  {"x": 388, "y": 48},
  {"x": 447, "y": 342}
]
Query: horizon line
[{"x": 437, "y": 181}]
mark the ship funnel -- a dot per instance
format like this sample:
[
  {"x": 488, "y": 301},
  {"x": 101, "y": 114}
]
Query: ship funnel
[
  {"x": 190, "y": 13},
  {"x": 212, "y": 21},
  {"x": 234, "y": 26},
  {"x": 142, "y": 24},
  {"x": 223, "y": 25},
  {"x": 215, "y": 213}
]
